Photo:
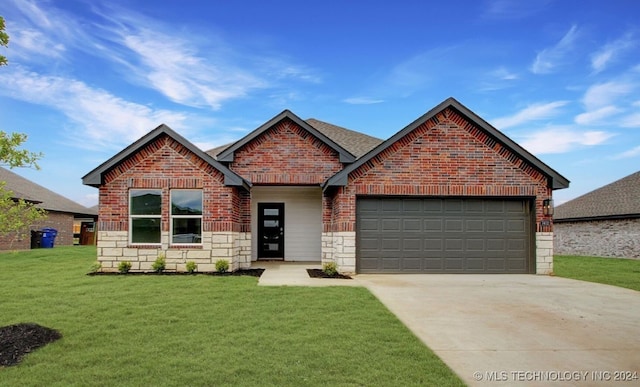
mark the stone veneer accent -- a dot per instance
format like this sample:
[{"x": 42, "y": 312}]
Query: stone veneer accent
[
  {"x": 340, "y": 247},
  {"x": 544, "y": 252},
  {"x": 113, "y": 248},
  {"x": 618, "y": 238}
]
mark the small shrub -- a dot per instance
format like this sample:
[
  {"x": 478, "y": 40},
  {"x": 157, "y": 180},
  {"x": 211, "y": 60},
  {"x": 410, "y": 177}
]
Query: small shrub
[
  {"x": 159, "y": 264},
  {"x": 222, "y": 265},
  {"x": 192, "y": 267},
  {"x": 124, "y": 267},
  {"x": 95, "y": 267},
  {"x": 330, "y": 268}
]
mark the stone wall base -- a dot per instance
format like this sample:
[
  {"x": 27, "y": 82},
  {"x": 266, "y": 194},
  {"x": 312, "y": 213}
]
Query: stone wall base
[
  {"x": 340, "y": 247},
  {"x": 235, "y": 247},
  {"x": 544, "y": 253}
]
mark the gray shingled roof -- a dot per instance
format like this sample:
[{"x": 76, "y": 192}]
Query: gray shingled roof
[
  {"x": 617, "y": 200},
  {"x": 49, "y": 200},
  {"x": 353, "y": 142}
]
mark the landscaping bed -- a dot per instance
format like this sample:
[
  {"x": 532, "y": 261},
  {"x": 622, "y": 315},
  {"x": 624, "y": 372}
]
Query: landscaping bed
[
  {"x": 319, "y": 273},
  {"x": 20, "y": 339},
  {"x": 242, "y": 272}
]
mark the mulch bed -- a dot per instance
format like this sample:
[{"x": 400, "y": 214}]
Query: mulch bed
[
  {"x": 318, "y": 273},
  {"x": 18, "y": 340},
  {"x": 249, "y": 272}
]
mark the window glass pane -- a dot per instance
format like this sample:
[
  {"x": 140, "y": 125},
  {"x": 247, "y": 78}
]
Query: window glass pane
[
  {"x": 145, "y": 230},
  {"x": 187, "y": 230},
  {"x": 186, "y": 202},
  {"x": 271, "y": 211},
  {"x": 146, "y": 202},
  {"x": 271, "y": 223}
]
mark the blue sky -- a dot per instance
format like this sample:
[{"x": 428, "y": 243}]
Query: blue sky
[{"x": 87, "y": 78}]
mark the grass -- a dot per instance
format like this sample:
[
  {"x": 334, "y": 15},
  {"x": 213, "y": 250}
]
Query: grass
[
  {"x": 202, "y": 330},
  {"x": 611, "y": 271}
]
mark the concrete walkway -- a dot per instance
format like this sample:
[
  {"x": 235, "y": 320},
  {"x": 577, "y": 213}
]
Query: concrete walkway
[
  {"x": 520, "y": 329},
  {"x": 295, "y": 274}
]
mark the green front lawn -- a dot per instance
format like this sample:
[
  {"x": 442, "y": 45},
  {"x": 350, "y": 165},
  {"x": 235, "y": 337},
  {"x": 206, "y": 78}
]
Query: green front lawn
[
  {"x": 611, "y": 271},
  {"x": 201, "y": 330}
]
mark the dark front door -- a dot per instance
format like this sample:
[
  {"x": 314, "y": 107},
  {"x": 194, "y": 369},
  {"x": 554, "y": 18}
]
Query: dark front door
[{"x": 270, "y": 230}]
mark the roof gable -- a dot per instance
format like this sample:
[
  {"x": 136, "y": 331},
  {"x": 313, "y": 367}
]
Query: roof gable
[
  {"x": 95, "y": 177},
  {"x": 227, "y": 154},
  {"x": 41, "y": 196},
  {"x": 557, "y": 180},
  {"x": 616, "y": 200}
]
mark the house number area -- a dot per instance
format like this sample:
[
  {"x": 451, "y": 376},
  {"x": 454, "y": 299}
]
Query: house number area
[{"x": 557, "y": 376}]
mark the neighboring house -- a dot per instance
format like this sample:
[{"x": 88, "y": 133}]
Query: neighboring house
[
  {"x": 604, "y": 222},
  {"x": 75, "y": 223},
  {"x": 447, "y": 194}
]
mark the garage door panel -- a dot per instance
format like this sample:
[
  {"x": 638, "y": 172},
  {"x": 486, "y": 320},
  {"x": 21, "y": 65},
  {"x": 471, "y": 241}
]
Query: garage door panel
[
  {"x": 453, "y": 225},
  {"x": 411, "y": 225},
  {"x": 474, "y": 225},
  {"x": 390, "y": 225},
  {"x": 437, "y": 235},
  {"x": 516, "y": 226},
  {"x": 368, "y": 224},
  {"x": 433, "y": 225}
]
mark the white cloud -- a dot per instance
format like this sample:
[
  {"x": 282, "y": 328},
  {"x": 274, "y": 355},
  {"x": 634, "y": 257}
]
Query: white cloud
[
  {"x": 631, "y": 121},
  {"x": 548, "y": 59},
  {"x": 101, "y": 119},
  {"x": 595, "y": 116},
  {"x": 538, "y": 111},
  {"x": 609, "y": 52},
  {"x": 561, "y": 140},
  {"x": 633, "y": 152},
  {"x": 503, "y": 74},
  {"x": 605, "y": 94},
  {"x": 362, "y": 101}
]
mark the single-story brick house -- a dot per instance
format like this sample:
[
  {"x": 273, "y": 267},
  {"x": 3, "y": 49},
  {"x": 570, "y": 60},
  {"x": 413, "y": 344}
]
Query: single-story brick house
[
  {"x": 449, "y": 193},
  {"x": 604, "y": 222},
  {"x": 74, "y": 222}
]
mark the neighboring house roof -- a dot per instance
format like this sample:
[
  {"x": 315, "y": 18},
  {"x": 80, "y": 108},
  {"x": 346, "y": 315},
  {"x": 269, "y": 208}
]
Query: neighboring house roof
[
  {"x": 95, "y": 177},
  {"x": 228, "y": 153},
  {"x": 619, "y": 199},
  {"x": 558, "y": 181},
  {"x": 41, "y": 196}
]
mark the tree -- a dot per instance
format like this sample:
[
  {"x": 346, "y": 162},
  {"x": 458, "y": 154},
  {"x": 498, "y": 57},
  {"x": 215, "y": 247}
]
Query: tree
[
  {"x": 16, "y": 214},
  {"x": 4, "y": 41}
]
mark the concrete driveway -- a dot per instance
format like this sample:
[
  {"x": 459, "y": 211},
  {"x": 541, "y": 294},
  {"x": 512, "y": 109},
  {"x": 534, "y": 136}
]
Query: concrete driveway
[{"x": 520, "y": 329}]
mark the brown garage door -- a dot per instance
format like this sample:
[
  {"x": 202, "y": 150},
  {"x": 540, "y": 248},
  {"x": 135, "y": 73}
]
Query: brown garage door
[{"x": 443, "y": 235}]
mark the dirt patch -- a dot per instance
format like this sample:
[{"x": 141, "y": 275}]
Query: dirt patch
[
  {"x": 318, "y": 273},
  {"x": 249, "y": 272},
  {"x": 18, "y": 340}
]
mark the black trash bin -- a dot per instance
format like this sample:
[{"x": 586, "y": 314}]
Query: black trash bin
[
  {"x": 36, "y": 239},
  {"x": 48, "y": 237}
]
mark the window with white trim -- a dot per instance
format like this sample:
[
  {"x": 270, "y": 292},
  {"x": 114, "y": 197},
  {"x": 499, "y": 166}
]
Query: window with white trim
[
  {"x": 186, "y": 216},
  {"x": 145, "y": 216}
]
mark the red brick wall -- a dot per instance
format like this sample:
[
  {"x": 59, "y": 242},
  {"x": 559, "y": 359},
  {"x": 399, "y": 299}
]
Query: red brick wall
[
  {"x": 61, "y": 221},
  {"x": 286, "y": 154},
  {"x": 165, "y": 164},
  {"x": 445, "y": 156}
]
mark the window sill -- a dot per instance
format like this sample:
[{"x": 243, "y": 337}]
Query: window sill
[
  {"x": 144, "y": 246},
  {"x": 183, "y": 247}
]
